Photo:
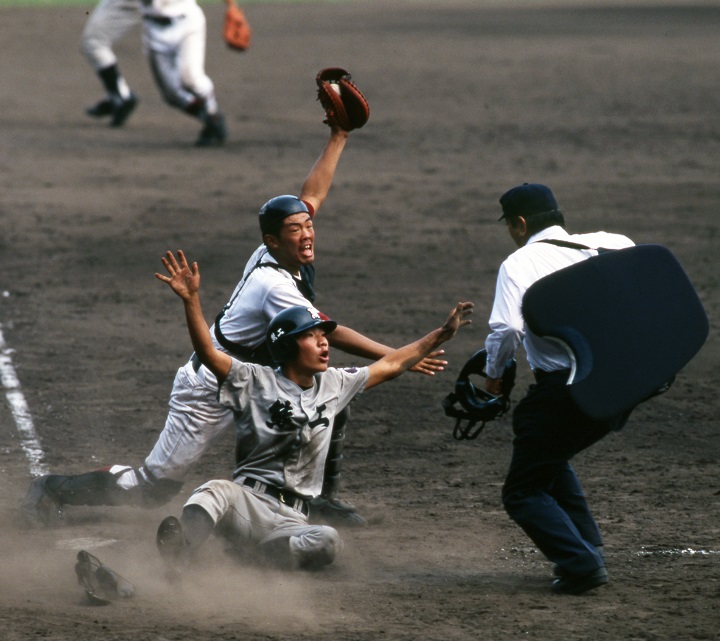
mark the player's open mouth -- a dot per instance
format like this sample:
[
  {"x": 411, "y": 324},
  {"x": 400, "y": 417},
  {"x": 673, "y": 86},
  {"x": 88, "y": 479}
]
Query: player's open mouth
[{"x": 306, "y": 250}]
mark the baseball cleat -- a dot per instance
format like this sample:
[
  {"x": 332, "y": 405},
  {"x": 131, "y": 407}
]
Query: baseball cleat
[
  {"x": 39, "y": 508},
  {"x": 172, "y": 546},
  {"x": 336, "y": 512},
  {"x": 100, "y": 109},
  {"x": 213, "y": 133},
  {"x": 122, "y": 109}
]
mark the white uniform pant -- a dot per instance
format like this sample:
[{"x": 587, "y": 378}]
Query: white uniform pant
[
  {"x": 195, "y": 419},
  {"x": 260, "y": 518},
  {"x": 110, "y": 21},
  {"x": 176, "y": 53}
]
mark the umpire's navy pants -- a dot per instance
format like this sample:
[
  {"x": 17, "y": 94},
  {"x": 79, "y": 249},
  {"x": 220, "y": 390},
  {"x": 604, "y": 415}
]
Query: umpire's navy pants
[{"x": 542, "y": 494}]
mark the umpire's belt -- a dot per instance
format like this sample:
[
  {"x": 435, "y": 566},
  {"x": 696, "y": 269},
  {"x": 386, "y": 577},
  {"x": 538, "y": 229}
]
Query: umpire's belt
[
  {"x": 163, "y": 21},
  {"x": 558, "y": 374},
  {"x": 295, "y": 501}
]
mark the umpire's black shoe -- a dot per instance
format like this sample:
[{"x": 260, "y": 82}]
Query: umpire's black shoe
[
  {"x": 122, "y": 109},
  {"x": 213, "y": 133},
  {"x": 333, "y": 511},
  {"x": 580, "y": 584}
]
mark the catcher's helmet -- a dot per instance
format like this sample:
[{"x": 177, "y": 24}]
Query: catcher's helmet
[
  {"x": 277, "y": 209},
  {"x": 288, "y": 324},
  {"x": 477, "y": 405}
]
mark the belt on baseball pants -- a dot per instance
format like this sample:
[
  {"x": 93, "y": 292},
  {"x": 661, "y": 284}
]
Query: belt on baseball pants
[
  {"x": 295, "y": 501},
  {"x": 163, "y": 21},
  {"x": 196, "y": 364}
]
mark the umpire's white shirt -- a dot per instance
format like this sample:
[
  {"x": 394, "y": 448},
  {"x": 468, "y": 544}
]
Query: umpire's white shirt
[{"x": 520, "y": 270}]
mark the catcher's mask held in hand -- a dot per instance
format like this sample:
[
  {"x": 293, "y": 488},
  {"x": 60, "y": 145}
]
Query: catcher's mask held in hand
[{"x": 477, "y": 405}]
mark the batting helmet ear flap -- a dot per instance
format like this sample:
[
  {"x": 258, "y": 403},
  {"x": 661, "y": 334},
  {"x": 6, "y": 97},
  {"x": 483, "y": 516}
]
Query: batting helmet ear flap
[{"x": 477, "y": 405}]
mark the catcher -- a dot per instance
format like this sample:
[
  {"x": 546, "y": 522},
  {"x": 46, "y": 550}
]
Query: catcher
[{"x": 278, "y": 275}]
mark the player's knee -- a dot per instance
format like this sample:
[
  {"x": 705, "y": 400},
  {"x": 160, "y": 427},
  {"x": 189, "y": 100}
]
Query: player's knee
[
  {"x": 98, "y": 52},
  {"x": 315, "y": 548},
  {"x": 200, "y": 86}
]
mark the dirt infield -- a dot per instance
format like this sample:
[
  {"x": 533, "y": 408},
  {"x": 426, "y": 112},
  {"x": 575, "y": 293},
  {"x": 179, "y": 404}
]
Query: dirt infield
[{"x": 616, "y": 109}]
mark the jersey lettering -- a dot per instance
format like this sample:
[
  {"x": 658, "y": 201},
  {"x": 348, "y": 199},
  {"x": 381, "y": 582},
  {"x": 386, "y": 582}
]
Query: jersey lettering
[
  {"x": 320, "y": 420},
  {"x": 280, "y": 416}
]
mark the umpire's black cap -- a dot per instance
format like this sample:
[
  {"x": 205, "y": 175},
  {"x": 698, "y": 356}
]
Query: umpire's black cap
[{"x": 527, "y": 199}]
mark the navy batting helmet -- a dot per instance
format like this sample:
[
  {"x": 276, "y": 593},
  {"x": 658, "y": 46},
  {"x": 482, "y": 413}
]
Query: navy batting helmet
[
  {"x": 288, "y": 324},
  {"x": 477, "y": 405},
  {"x": 275, "y": 210}
]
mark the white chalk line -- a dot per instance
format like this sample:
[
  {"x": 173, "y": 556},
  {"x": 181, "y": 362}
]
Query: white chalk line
[
  {"x": 29, "y": 440},
  {"x": 84, "y": 543}
]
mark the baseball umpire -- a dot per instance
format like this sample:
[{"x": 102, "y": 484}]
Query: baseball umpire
[
  {"x": 542, "y": 493},
  {"x": 278, "y": 275},
  {"x": 284, "y": 418}
]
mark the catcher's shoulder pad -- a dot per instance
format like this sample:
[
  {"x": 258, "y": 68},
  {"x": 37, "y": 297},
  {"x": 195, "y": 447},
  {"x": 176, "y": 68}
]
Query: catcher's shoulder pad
[
  {"x": 345, "y": 105},
  {"x": 236, "y": 29}
]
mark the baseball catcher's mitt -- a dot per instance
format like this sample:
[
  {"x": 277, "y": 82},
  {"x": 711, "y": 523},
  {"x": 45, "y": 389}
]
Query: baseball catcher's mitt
[
  {"x": 236, "y": 30},
  {"x": 344, "y": 104},
  {"x": 101, "y": 584}
]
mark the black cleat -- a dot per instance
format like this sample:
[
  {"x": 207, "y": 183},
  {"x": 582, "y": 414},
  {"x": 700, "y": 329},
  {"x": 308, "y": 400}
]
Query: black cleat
[
  {"x": 335, "y": 512},
  {"x": 173, "y": 548},
  {"x": 101, "y": 109},
  {"x": 213, "y": 133},
  {"x": 122, "y": 109}
]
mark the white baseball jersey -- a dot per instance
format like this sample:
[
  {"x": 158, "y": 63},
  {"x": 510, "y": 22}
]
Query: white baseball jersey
[
  {"x": 167, "y": 8},
  {"x": 284, "y": 431},
  {"x": 261, "y": 294}
]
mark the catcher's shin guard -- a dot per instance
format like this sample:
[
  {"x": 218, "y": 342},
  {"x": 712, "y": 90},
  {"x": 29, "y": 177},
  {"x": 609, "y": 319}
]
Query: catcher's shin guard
[
  {"x": 327, "y": 507},
  {"x": 113, "y": 486},
  {"x": 92, "y": 488},
  {"x": 333, "y": 464}
]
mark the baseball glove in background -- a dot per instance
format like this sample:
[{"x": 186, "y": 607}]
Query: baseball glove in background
[
  {"x": 236, "y": 30},
  {"x": 344, "y": 104}
]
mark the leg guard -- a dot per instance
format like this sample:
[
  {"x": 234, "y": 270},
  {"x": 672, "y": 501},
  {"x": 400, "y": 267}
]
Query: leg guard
[
  {"x": 116, "y": 485},
  {"x": 333, "y": 464},
  {"x": 327, "y": 507},
  {"x": 93, "y": 488}
]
